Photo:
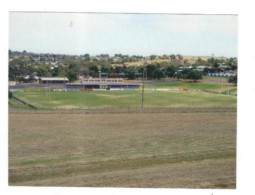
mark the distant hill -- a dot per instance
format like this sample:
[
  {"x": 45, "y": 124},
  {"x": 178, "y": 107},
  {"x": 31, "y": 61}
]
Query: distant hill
[{"x": 190, "y": 60}]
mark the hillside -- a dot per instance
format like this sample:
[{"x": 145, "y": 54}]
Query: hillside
[{"x": 190, "y": 60}]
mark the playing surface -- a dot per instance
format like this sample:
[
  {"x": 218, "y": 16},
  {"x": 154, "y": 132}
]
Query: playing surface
[{"x": 125, "y": 99}]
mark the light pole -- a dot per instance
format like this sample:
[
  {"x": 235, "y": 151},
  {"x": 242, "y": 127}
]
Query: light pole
[
  {"x": 99, "y": 75},
  {"x": 143, "y": 88}
]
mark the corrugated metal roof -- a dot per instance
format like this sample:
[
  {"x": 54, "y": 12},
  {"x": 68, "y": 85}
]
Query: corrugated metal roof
[{"x": 120, "y": 84}]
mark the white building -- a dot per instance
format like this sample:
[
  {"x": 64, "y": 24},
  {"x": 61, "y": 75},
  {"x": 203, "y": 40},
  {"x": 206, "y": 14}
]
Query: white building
[{"x": 53, "y": 80}]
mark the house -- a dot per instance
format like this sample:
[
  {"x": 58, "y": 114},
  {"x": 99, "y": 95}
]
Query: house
[
  {"x": 116, "y": 59},
  {"x": 12, "y": 83},
  {"x": 201, "y": 67}
]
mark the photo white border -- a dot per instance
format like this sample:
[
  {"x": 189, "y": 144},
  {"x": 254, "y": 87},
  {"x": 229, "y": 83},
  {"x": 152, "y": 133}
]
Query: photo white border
[{"x": 246, "y": 84}]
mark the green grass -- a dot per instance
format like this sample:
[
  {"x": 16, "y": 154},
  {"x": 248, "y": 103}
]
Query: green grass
[
  {"x": 16, "y": 105},
  {"x": 124, "y": 99},
  {"x": 231, "y": 90},
  {"x": 190, "y": 86}
]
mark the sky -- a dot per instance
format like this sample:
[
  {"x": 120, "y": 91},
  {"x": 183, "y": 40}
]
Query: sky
[{"x": 131, "y": 34}]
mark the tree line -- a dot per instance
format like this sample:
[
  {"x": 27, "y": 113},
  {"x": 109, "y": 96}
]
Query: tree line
[
  {"x": 18, "y": 69},
  {"x": 175, "y": 67}
]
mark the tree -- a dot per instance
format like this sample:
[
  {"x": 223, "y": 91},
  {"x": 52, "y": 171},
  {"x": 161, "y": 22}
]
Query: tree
[
  {"x": 210, "y": 70},
  {"x": 150, "y": 69},
  {"x": 87, "y": 57},
  {"x": 179, "y": 57},
  {"x": 72, "y": 72},
  {"x": 164, "y": 56},
  {"x": 172, "y": 57},
  {"x": 185, "y": 62},
  {"x": 158, "y": 73},
  {"x": 195, "y": 75},
  {"x": 93, "y": 71},
  {"x": 200, "y": 62},
  {"x": 164, "y": 64},
  {"x": 43, "y": 71},
  {"x": 119, "y": 69},
  {"x": 216, "y": 65},
  {"x": 130, "y": 72},
  {"x": 105, "y": 69},
  {"x": 178, "y": 75},
  {"x": 233, "y": 79},
  {"x": 118, "y": 55},
  {"x": 54, "y": 71},
  {"x": 30, "y": 69},
  {"x": 13, "y": 71},
  {"x": 17, "y": 68},
  {"x": 170, "y": 71},
  {"x": 153, "y": 57},
  {"x": 61, "y": 71},
  {"x": 175, "y": 62},
  {"x": 71, "y": 75},
  {"x": 141, "y": 70},
  {"x": 211, "y": 61}
]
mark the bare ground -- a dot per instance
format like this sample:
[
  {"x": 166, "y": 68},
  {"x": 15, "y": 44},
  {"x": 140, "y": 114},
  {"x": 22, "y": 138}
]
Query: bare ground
[{"x": 176, "y": 150}]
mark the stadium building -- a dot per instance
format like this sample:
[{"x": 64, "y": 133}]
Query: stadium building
[
  {"x": 102, "y": 83},
  {"x": 53, "y": 80}
]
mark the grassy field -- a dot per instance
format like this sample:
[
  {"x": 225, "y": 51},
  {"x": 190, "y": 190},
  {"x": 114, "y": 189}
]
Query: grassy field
[
  {"x": 215, "y": 87},
  {"x": 124, "y": 99},
  {"x": 216, "y": 80},
  {"x": 232, "y": 90},
  {"x": 16, "y": 105},
  {"x": 176, "y": 150}
]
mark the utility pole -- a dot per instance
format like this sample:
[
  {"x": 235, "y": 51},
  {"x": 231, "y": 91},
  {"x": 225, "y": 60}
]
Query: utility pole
[
  {"x": 99, "y": 73},
  {"x": 143, "y": 89},
  {"x": 47, "y": 90}
]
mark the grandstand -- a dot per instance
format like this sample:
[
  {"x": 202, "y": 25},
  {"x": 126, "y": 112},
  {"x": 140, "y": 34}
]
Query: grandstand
[{"x": 53, "y": 80}]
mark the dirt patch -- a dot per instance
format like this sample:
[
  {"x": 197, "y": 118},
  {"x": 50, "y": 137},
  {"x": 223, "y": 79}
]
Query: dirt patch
[
  {"x": 113, "y": 96},
  {"x": 67, "y": 107},
  {"x": 55, "y": 102}
]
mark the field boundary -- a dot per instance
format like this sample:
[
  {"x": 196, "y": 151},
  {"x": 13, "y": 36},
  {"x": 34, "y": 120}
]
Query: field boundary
[
  {"x": 121, "y": 89},
  {"x": 216, "y": 92},
  {"x": 23, "y": 102},
  {"x": 130, "y": 110}
]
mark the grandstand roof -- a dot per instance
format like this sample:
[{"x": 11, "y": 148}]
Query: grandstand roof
[{"x": 54, "y": 78}]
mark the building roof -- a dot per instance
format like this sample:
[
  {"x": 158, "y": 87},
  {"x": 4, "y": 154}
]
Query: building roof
[
  {"x": 120, "y": 84},
  {"x": 102, "y": 80},
  {"x": 54, "y": 78}
]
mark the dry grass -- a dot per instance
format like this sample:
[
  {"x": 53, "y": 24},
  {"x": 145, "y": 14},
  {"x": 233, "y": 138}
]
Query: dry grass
[
  {"x": 191, "y": 59},
  {"x": 215, "y": 80},
  {"x": 183, "y": 150}
]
